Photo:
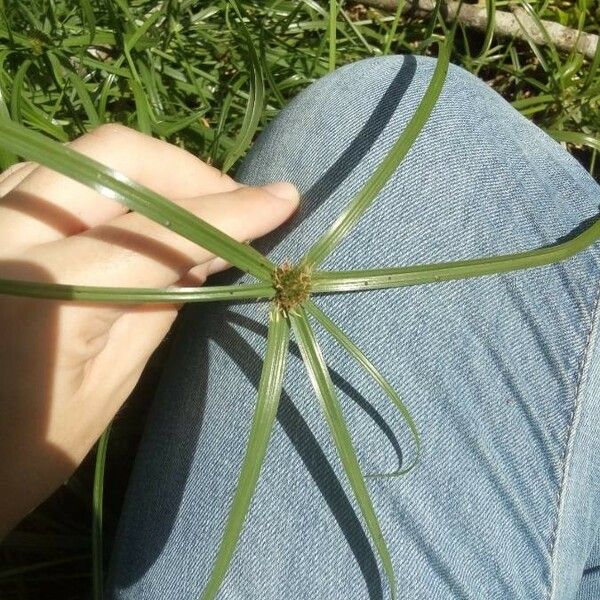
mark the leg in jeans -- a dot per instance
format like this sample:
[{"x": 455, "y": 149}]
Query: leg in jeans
[{"x": 501, "y": 373}]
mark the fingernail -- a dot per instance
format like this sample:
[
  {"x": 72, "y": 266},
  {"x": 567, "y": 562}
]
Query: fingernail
[{"x": 284, "y": 190}]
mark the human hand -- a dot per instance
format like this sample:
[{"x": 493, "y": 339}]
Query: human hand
[{"x": 66, "y": 368}]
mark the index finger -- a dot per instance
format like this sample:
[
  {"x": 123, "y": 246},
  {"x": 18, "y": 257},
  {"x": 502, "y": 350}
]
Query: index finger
[{"x": 46, "y": 206}]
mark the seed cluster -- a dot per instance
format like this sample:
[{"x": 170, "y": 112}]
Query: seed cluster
[{"x": 292, "y": 286}]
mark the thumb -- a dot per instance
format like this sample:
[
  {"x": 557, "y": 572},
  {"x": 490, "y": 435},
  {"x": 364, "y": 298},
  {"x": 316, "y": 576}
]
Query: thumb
[{"x": 284, "y": 190}]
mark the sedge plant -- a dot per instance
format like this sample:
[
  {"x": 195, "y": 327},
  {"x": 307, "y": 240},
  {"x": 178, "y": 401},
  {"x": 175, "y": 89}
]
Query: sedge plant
[{"x": 290, "y": 290}]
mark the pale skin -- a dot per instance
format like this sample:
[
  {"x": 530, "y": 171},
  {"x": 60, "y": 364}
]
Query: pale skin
[{"x": 66, "y": 369}]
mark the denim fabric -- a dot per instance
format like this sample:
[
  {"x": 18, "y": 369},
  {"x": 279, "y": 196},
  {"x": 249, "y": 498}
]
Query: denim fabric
[{"x": 501, "y": 373}]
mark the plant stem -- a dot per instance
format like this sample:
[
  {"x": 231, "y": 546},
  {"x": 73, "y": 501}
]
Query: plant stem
[
  {"x": 59, "y": 291},
  {"x": 98, "y": 498},
  {"x": 371, "y": 279}
]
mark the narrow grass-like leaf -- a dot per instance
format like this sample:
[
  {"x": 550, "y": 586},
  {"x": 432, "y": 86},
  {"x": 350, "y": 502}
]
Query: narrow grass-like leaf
[
  {"x": 593, "y": 69},
  {"x": 350, "y": 216},
  {"x": 575, "y": 137},
  {"x": 6, "y": 158},
  {"x": 97, "y": 514},
  {"x": 433, "y": 21},
  {"x": 132, "y": 38},
  {"x": 323, "y": 386},
  {"x": 122, "y": 295},
  {"x": 104, "y": 38},
  {"x": 32, "y": 17},
  {"x": 116, "y": 186},
  {"x": 347, "y": 344},
  {"x": 490, "y": 7},
  {"x": 142, "y": 110},
  {"x": 17, "y": 90},
  {"x": 371, "y": 279},
  {"x": 526, "y": 6},
  {"x": 151, "y": 83},
  {"x": 166, "y": 129},
  {"x": 540, "y": 99},
  {"x": 532, "y": 43},
  {"x": 357, "y": 32},
  {"x": 7, "y": 31},
  {"x": 223, "y": 114},
  {"x": 256, "y": 99},
  {"x": 332, "y": 33},
  {"x": 391, "y": 34},
  {"x": 89, "y": 18},
  {"x": 269, "y": 393},
  {"x": 268, "y": 74},
  {"x": 105, "y": 90},
  {"x": 53, "y": 66},
  {"x": 85, "y": 98}
]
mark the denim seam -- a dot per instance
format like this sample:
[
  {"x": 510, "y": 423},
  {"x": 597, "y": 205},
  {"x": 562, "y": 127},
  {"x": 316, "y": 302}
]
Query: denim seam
[{"x": 569, "y": 443}]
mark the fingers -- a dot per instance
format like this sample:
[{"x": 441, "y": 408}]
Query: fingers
[
  {"x": 133, "y": 251},
  {"x": 130, "y": 343},
  {"x": 12, "y": 169},
  {"x": 45, "y": 206},
  {"x": 10, "y": 178}
]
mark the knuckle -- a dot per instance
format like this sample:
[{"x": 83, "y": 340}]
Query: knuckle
[
  {"x": 112, "y": 132},
  {"x": 10, "y": 170},
  {"x": 255, "y": 194},
  {"x": 6, "y": 175}
]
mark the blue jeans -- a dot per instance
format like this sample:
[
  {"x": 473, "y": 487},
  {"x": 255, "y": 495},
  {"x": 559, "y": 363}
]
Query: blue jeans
[{"x": 501, "y": 373}]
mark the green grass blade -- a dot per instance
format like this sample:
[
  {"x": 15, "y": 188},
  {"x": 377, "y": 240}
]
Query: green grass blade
[
  {"x": 575, "y": 137},
  {"x": 132, "y": 38},
  {"x": 391, "y": 34},
  {"x": 433, "y": 21},
  {"x": 89, "y": 18},
  {"x": 332, "y": 33},
  {"x": 357, "y": 32},
  {"x": 168, "y": 129},
  {"x": 85, "y": 98},
  {"x": 256, "y": 97},
  {"x": 142, "y": 110},
  {"x": 350, "y": 216},
  {"x": 347, "y": 344},
  {"x": 557, "y": 67},
  {"x": 97, "y": 513},
  {"x": 121, "y": 295},
  {"x": 31, "y": 17},
  {"x": 323, "y": 386},
  {"x": 7, "y": 31},
  {"x": 593, "y": 69},
  {"x": 18, "y": 86},
  {"x": 223, "y": 117},
  {"x": 269, "y": 393},
  {"x": 372, "y": 279},
  {"x": 490, "y": 7},
  {"x": 6, "y": 158},
  {"x": 531, "y": 41},
  {"x": 91, "y": 173},
  {"x": 540, "y": 99},
  {"x": 268, "y": 73}
]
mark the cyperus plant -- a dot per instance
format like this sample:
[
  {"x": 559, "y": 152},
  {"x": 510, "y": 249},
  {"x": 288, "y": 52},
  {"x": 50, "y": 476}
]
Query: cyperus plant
[{"x": 289, "y": 288}]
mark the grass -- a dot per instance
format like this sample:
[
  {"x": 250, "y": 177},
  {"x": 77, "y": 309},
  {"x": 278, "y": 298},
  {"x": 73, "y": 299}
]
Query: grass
[
  {"x": 182, "y": 70},
  {"x": 189, "y": 73}
]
